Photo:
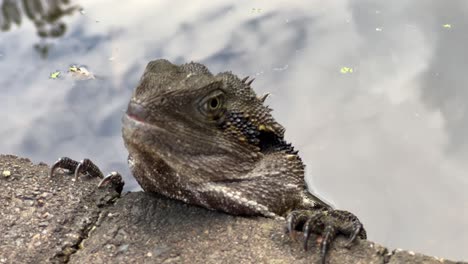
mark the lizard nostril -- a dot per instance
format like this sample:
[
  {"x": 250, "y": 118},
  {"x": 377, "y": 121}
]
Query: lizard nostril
[{"x": 137, "y": 111}]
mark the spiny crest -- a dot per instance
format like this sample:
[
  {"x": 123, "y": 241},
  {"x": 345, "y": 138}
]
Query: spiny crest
[{"x": 195, "y": 68}]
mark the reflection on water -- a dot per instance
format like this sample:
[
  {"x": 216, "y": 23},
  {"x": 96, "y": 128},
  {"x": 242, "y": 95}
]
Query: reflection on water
[
  {"x": 372, "y": 94},
  {"x": 46, "y": 16}
]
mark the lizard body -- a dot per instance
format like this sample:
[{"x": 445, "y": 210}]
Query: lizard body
[{"x": 210, "y": 141}]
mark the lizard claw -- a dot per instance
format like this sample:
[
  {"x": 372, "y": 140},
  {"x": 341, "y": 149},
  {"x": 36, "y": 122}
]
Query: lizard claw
[
  {"x": 113, "y": 179},
  {"x": 86, "y": 166},
  {"x": 294, "y": 220},
  {"x": 326, "y": 223},
  {"x": 358, "y": 229}
]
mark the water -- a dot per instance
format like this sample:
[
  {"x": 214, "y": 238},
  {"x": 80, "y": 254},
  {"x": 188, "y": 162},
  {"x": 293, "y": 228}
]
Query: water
[{"x": 372, "y": 93}]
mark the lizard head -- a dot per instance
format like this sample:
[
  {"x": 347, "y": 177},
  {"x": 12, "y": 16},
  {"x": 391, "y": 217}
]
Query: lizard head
[{"x": 194, "y": 120}]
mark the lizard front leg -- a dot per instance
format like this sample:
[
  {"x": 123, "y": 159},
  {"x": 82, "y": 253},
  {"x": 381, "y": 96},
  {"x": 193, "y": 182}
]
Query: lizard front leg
[
  {"x": 325, "y": 222},
  {"x": 86, "y": 166}
]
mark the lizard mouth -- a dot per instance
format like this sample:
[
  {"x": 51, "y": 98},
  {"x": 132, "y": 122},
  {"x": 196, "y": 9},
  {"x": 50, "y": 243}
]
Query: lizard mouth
[
  {"x": 137, "y": 125},
  {"x": 137, "y": 112}
]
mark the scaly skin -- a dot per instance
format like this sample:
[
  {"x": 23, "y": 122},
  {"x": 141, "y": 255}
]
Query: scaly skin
[{"x": 209, "y": 140}]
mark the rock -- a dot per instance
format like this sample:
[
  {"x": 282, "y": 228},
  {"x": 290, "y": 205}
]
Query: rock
[
  {"x": 76, "y": 222},
  {"x": 45, "y": 219}
]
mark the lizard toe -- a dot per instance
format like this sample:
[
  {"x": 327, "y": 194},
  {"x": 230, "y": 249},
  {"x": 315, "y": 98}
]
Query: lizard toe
[
  {"x": 63, "y": 163},
  {"x": 295, "y": 221},
  {"x": 114, "y": 180},
  {"x": 86, "y": 166}
]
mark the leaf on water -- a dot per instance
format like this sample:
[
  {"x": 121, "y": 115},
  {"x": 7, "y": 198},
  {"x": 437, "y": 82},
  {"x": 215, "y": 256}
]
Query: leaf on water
[
  {"x": 345, "y": 70},
  {"x": 55, "y": 75}
]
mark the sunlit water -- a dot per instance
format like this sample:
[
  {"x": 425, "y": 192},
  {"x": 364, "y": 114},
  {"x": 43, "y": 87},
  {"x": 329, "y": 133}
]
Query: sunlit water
[{"x": 372, "y": 93}]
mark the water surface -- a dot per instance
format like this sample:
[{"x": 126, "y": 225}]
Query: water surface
[{"x": 372, "y": 93}]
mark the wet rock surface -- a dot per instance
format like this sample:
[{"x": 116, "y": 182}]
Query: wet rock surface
[{"x": 57, "y": 219}]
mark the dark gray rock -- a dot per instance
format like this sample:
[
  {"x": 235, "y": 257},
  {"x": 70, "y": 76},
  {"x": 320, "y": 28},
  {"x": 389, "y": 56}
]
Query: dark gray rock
[
  {"x": 41, "y": 218},
  {"x": 59, "y": 220}
]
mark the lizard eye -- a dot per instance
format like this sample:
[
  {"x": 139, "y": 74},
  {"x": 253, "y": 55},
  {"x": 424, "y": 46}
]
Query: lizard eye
[{"x": 212, "y": 105}]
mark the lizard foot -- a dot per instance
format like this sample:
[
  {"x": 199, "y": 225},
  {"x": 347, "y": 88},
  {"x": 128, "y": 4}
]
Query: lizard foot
[
  {"x": 86, "y": 166},
  {"x": 327, "y": 223}
]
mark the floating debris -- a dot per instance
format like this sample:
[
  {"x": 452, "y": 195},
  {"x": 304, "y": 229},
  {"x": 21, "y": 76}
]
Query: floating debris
[
  {"x": 346, "y": 70},
  {"x": 447, "y": 26},
  {"x": 73, "y": 68},
  {"x": 76, "y": 72},
  {"x": 256, "y": 10},
  {"x": 378, "y": 29},
  {"x": 80, "y": 72},
  {"x": 55, "y": 75}
]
